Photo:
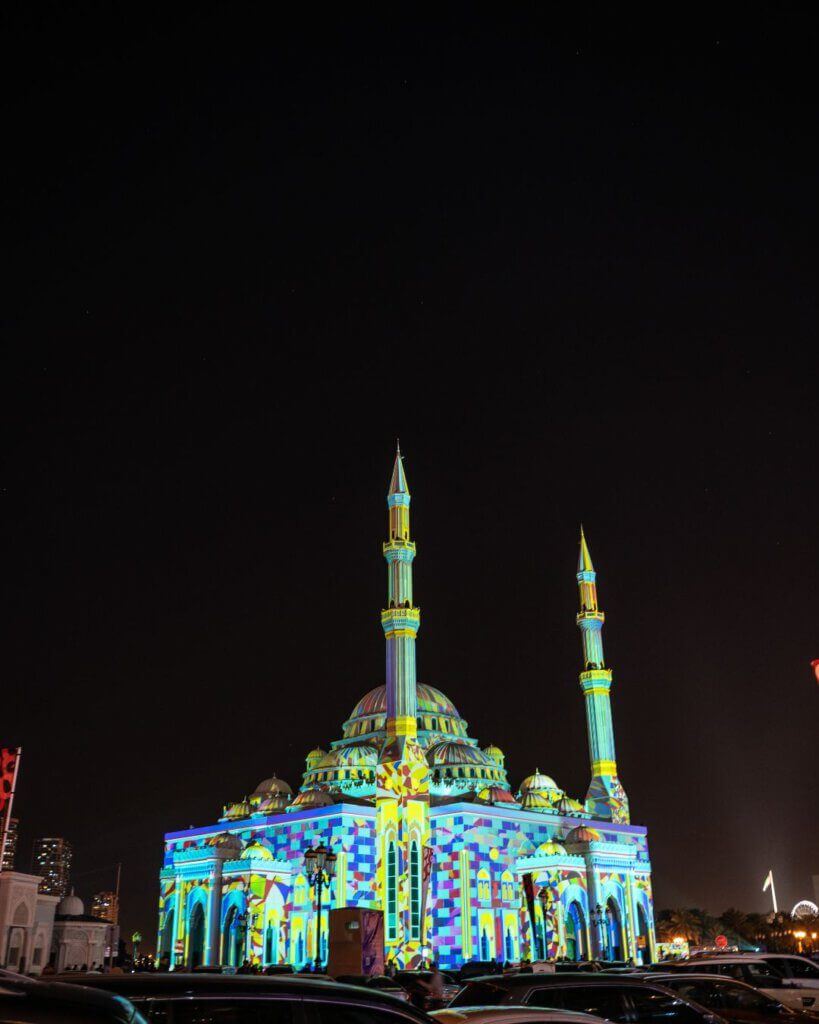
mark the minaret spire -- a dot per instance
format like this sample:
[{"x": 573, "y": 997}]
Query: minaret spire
[{"x": 606, "y": 797}]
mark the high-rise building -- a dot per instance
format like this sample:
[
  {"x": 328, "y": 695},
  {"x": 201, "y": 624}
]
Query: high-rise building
[
  {"x": 105, "y": 906},
  {"x": 10, "y": 849},
  {"x": 52, "y": 861}
]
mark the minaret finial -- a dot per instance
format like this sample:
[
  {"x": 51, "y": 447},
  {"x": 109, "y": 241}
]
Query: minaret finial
[{"x": 584, "y": 562}]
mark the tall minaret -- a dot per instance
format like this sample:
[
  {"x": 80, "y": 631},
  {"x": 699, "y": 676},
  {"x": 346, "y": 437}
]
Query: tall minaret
[
  {"x": 402, "y": 776},
  {"x": 606, "y": 797}
]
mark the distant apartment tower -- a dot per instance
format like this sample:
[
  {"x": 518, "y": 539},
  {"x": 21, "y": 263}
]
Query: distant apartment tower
[
  {"x": 10, "y": 849},
  {"x": 105, "y": 906},
  {"x": 52, "y": 860}
]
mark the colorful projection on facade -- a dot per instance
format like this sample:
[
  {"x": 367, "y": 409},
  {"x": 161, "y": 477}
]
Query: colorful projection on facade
[{"x": 426, "y": 828}]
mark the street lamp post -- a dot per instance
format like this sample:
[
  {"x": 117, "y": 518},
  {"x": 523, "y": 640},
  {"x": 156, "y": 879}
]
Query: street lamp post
[
  {"x": 601, "y": 917},
  {"x": 320, "y": 865}
]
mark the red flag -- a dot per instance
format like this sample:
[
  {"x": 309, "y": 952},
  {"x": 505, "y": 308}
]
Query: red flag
[{"x": 8, "y": 771}]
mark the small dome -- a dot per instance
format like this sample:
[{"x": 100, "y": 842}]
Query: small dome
[
  {"x": 272, "y": 785},
  {"x": 71, "y": 906},
  {"x": 226, "y": 841},
  {"x": 451, "y": 752},
  {"x": 566, "y": 805},
  {"x": 495, "y": 753},
  {"x": 315, "y": 757},
  {"x": 329, "y": 760},
  {"x": 274, "y": 803},
  {"x": 583, "y": 834},
  {"x": 319, "y": 797},
  {"x": 255, "y": 851},
  {"x": 536, "y": 800},
  {"x": 241, "y": 809},
  {"x": 538, "y": 783},
  {"x": 496, "y": 795},
  {"x": 550, "y": 849}
]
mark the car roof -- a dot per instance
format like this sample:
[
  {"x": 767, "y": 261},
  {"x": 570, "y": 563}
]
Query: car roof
[
  {"x": 512, "y": 1011},
  {"x": 177, "y": 984},
  {"x": 540, "y": 980},
  {"x": 55, "y": 993}
]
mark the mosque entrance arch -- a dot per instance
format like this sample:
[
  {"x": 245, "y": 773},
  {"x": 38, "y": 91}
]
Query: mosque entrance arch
[
  {"x": 196, "y": 936},
  {"x": 575, "y": 925},
  {"x": 614, "y": 931}
]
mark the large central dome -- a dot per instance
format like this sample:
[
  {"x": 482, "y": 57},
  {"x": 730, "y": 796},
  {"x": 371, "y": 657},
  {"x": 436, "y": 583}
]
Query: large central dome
[{"x": 431, "y": 704}]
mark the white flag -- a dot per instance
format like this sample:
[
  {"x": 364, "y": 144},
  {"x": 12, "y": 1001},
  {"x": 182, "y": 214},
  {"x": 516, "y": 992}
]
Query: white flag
[{"x": 768, "y": 881}]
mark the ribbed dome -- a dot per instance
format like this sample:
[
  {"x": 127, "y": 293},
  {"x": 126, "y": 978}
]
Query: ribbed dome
[
  {"x": 356, "y": 756},
  {"x": 583, "y": 834},
  {"x": 535, "y": 800},
  {"x": 227, "y": 842},
  {"x": 566, "y": 805},
  {"x": 550, "y": 849},
  {"x": 311, "y": 798},
  {"x": 538, "y": 783},
  {"x": 272, "y": 785},
  {"x": 494, "y": 752},
  {"x": 452, "y": 752},
  {"x": 496, "y": 795},
  {"x": 430, "y": 701}
]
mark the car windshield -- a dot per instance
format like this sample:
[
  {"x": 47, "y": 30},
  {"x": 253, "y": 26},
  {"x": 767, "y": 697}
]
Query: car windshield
[{"x": 480, "y": 993}]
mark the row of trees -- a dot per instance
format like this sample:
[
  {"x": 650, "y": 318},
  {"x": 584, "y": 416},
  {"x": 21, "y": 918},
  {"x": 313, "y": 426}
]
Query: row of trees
[{"x": 779, "y": 933}]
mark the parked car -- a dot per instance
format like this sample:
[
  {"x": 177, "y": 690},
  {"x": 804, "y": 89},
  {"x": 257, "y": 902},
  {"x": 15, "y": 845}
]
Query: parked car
[
  {"x": 24, "y": 1000},
  {"x": 734, "y": 1000},
  {"x": 510, "y": 1015},
  {"x": 177, "y": 998},
  {"x": 766, "y": 972},
  {"x": 613, "y": 997}
]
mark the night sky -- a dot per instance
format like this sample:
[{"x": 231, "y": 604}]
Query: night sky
[{"x": 574, "y": 269}]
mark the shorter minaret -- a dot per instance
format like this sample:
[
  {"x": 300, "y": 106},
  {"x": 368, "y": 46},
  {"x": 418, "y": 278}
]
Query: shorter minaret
[{"x": 606, "y": 797}]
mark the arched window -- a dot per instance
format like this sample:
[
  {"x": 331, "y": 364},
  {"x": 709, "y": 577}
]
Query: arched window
[
  {"x": 415, "y": 890},
  {"x": 300, "y": 889},
  {"x": 392, "y": 891},
  {"x": 484, "y": 889},
  {"x": 507, "y": 887},
  {"x": 575, "y": 932},
  {"x": 613, "y": 931}
]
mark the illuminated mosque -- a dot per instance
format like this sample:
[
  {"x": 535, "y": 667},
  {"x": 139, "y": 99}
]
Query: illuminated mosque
[{"x": 426, "y": 828}]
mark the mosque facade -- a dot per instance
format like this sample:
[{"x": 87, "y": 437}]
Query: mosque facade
[{"x": 426, "y": 828}]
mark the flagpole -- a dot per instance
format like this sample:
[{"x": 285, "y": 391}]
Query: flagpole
[
  {"x": 773, "y": 895},
  {"x": 7, "y": 822}
]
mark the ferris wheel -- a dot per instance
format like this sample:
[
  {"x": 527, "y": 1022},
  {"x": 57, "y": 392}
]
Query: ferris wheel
[{"x": 805, "y": 908}]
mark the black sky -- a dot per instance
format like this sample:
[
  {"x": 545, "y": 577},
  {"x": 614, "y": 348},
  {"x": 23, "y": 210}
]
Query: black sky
[{"x": 574, "y": 269}]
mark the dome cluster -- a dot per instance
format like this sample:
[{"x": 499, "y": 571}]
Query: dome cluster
[
  {"x": 458, "y": 766},
  {"x": 271, "y": 796}
]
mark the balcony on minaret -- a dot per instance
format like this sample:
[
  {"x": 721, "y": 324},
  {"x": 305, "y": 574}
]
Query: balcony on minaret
[
  {"x": 591, "y": 615},
  {"x": 400, "y": 621}
]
